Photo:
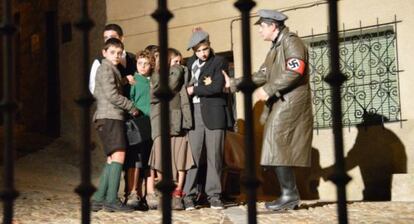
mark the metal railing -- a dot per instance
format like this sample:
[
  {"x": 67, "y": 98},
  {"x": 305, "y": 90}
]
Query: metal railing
[
  {"x": 164, "y": 93},
  {"x": 84, "y": 101},
  {"x": 162, "y": 15},
  {"x": 335, "y": 78},
  {"x": 247, "y": 87},
  {"x": 8, "y": 107}
]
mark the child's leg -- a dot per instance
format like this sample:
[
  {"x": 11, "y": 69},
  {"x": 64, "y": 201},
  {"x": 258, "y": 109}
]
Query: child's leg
[
  {"x": 131, "y": 171},
  {"x": 144, "y": 181},
  {"x": 99, "y": 195},
  {"x": 151, "y": 182},
  {"x": 139, "y": 180},
  {"x": 159, "y": 176},
  {"x": 117, "y": 160},
  {"x": 180, "y": 183},
  {"x": 177, "y": 194},
  {"x": 132, "y": 177},
  {"x": 152, "y": 197}
]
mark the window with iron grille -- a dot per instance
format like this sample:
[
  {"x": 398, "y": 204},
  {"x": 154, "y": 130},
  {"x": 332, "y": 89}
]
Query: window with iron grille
[{"x": 369, "y": 60}]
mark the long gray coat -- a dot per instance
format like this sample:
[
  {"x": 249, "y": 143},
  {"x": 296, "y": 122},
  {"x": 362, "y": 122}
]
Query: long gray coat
[
  {"x": 180, "y": 111},
  {"x": 287, "y": 139}
]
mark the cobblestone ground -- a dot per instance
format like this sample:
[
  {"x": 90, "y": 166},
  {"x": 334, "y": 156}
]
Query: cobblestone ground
[{"x": 46, "y": 180}]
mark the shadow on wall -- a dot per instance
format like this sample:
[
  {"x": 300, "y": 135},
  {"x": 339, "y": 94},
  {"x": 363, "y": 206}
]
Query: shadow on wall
[
  {"x": 379, "y": 153},
  {"x": 307, "y": 181}
]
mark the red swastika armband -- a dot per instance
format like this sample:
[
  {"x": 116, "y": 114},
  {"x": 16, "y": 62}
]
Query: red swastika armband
[{"x": 296, "y": 65}]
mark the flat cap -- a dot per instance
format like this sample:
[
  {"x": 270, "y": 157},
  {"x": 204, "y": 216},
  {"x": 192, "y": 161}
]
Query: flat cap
[
  {"x": 268, "y": 14},
  {"x": 197, "y": 37}
]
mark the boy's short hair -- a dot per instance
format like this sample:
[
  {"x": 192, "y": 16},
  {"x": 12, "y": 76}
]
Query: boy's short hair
[
  {"x": 199, "y": 44},
  {"x": 152, "y": 48},
  {"x": 114, "y": 27},
  {"x": 113, "y": 42},
  {"x": 174, "y": 51},
  {"x": 148, "y": 55}
]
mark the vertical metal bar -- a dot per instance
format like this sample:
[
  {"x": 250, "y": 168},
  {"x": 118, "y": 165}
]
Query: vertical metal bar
[
  {"x": 166, "y": 186},
  {"x": 8, "y": 107},
  {"x": 335, "y": 78},
  {"x": 354, "y": 71},
  {"x": 398, "y": 68},
  {"x": 85, "y": 100},
  {"x": 313, "y": 79},
  {"x": 383, "y": 84},
  {"x": 361, "y": 42},
  {"x": 247, "y": 87},
  {"x": 324, "y": 96}
]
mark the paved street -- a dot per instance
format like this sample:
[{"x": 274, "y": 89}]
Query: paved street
[{"x": 46, "y": 179}]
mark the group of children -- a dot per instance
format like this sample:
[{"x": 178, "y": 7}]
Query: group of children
[{"x": 119, "y": 88}]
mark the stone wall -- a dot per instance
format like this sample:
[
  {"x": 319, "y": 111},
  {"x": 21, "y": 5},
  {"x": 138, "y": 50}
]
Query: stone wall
[
  {"x": 71, "y": 62},
  {"x": 30, "y": 78}
]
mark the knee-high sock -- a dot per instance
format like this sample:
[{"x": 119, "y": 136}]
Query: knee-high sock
[
  {"x": 99, "y": 195},
  {"x": 113, "y": 182}
]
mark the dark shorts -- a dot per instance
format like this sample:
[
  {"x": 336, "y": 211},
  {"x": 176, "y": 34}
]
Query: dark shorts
[
  {"x": 137, "y": 155},
  {"x": 112, "y": 134}
]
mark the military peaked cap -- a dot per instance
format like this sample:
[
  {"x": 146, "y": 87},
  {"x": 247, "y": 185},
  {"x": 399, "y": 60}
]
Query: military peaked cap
[{"x": 268, "y": 14}]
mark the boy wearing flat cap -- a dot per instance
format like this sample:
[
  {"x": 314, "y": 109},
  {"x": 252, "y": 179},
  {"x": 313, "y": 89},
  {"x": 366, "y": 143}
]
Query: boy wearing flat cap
[
  {"x": 284, "y": 86},
  {"x": 209, "y": 106}
]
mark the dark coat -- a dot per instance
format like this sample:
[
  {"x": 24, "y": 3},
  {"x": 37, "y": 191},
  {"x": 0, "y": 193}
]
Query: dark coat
[{"x": 213, "y": 100}]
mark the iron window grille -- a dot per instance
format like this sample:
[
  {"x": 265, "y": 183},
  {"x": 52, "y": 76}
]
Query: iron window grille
[{"x": 369, "y": 61}]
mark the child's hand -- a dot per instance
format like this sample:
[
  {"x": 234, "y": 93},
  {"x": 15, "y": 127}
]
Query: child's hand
[
  {"x": 190, "y": 90},
  {"x": 131, "y": 80},
  {"x": 261, "y": 94},
  {"x": 226, "y": 79},
  {"x": 134, "y": 112},
  {"x": 226, "y": 88}
]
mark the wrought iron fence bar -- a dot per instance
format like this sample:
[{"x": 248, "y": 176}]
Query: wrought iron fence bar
[
  {"x": 341, "y": 39},
  {"x": 166, "y": 186},
  {"x": 353, "y": 61},
  {"x": 323, "y": 86},
  {"x": 385, "y": 52},
  {"x": 356, "y": 123},
  {"x": 343, "y": 59},
  {"x": 335, "y": 79},
  {"x": 365, "y": 84},
  {"x": 84, "y": 101},
  {"x": 313, "y": 83},
  {"x": 398, "y": 65},
  {"x": 370, "y": 68},
  {"x": 8, "y": 107},
  {"x": 247, "y": 87},
  {"x": 353, "y": 29}
]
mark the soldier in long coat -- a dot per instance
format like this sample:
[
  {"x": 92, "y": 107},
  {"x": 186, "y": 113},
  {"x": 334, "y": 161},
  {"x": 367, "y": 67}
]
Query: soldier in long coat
[{"x": 284, "y": 86}]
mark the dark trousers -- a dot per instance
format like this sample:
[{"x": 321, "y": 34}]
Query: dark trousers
[{"x": 213, "y": 140}]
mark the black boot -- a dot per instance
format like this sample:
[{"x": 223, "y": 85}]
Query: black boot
[{"x": 289, "y": 198}]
